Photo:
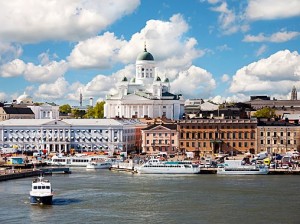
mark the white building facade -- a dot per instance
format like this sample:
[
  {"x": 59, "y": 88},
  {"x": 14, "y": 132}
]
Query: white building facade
[
  {"x": 54, "y": 135},
  {"x": 45, "y": 111},
  {"x": 145, "y": 95}
]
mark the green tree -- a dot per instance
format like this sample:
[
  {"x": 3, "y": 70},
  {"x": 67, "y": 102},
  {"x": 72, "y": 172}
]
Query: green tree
[
  {"x": 78, "y": 113},
  {"x": 99, "y": 109},
  {"x": 96, "y": 112},
  {"x": 66, "y": 108},
  {"x": 265, "y": 112}
]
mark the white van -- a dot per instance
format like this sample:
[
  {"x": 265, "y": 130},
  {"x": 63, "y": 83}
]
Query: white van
[{"x": 8, "y": 150}]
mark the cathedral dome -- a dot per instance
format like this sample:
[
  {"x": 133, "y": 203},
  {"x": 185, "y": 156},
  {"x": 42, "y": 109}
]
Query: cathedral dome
[
  {"x": 166, "y": 80},
  {"x": 24, "y": 99},
  {"x": 145, "y": 56},
  {"x": 124, "y": 79}
]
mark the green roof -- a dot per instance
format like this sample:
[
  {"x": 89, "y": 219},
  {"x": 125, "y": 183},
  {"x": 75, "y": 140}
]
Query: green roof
[{"x": 145, "y": 56}]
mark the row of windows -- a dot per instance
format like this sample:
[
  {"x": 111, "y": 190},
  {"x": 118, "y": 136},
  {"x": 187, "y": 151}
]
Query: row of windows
[
  {"x": 160, "y": 149},
  {"x": 210, "y": 135},
  {"x": 215, "y": 127},
  {"x": 160, "y": 142},
  {"x": 275, "y": 134},
  {"x": 204, "y": 144},
  {"x": 41, "y": 187},
  {"x": 160, "y": 134},
  {"x": 275, "y": 142}
]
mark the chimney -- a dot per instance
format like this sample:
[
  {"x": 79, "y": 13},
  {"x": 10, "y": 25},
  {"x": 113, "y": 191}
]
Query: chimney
[{"x": 91, "y": 102}]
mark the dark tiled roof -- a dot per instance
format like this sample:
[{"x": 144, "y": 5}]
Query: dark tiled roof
[
  {"x": 275, "y": 123},
  {"x": 17, "y": 110},
  {"x": 169, "y": 126}
]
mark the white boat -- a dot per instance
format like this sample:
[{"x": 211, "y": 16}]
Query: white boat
[
  {"x": 41, "y": 191},
  {"x": 237, "y": 167},
  {"x": 73, "y": 161},
  {"x": 99, "y": 164},
  {"x": 156, "y": 166}
]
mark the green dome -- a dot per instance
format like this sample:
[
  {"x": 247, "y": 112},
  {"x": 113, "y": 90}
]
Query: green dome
[
  {"x": 158, "y": 78},
  {"x": 124, "y": 79},
  {"x": 145, "y": 56},
  {"x": 166, "y": 80},
  {"x": 132, "y": 80}
]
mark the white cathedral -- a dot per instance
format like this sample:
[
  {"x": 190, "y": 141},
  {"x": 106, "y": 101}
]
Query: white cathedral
[{"x": 146, "y": 95}]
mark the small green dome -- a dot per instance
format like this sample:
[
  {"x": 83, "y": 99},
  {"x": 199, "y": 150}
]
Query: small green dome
[
  {"x": 132, "y": 80},
  {"x": 158, "y": 78},
  {"x": 145, "y": 56},
  {"x": 166, "y": 80},
  {"x": 124, "y": 79}
]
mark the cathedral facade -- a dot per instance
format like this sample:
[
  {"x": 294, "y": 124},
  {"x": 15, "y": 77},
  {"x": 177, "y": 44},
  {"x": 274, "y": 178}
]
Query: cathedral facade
[{"x": 145, "y": 95}]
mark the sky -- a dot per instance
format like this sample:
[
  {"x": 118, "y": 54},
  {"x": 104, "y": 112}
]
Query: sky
[{"x": 220, "y": 50}]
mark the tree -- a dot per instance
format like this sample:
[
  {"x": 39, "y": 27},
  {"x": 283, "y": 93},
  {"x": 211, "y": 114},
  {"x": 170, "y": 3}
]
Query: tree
[
  {"x": 265, "y": 112},
  {"x": 66, "y": 108},
  {"x": 96, "y": 112},
  {"x": 78, "y": 113}
]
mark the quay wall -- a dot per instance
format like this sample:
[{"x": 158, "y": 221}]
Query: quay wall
[{"x": 19, "y": 174}]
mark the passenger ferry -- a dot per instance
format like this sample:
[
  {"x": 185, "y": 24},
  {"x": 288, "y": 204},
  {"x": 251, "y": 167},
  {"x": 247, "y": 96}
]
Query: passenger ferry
[
  {"x": 236, "y": 167},
  {"x": 99, "y": 164},
  {"x": 156, "y": 166},
  {"x": 41, "y": 191},
  {"x": 82, "y": 161}
]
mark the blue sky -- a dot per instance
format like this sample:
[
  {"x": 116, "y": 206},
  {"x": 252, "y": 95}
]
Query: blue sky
[{"x": 212, "y": 49}]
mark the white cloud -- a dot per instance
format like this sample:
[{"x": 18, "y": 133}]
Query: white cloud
[
  {"x": 105, "y": 50},
  {"x": 234, "y": 98},
  {"x": 38, "y": 20},
  {"x": 223, "y": 47},
  {"x": 272, "y": 9},
  {"x": 225, "y": 78},
  {"x": 277, "y": 73},
  {"x": 200, "y": 83},
  {"x": 228, "y": 21},
  {"x": 3, "y": 97},
  {"x": 261, "y": 50},
  {"x": 101, "y": 51},
  {"x": 9, "y": 51},
  {"x": 34, "y": 73},
  {"x": 278, "y": 37},
  {"x": 52, "y": 91}
]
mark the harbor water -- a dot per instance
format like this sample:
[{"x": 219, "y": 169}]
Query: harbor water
[{"x": 103, "y": 196}]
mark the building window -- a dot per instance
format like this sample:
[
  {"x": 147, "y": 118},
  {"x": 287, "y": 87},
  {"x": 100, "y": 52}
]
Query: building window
[
  {"x": 268, "y": 133},
  {"x": 289, "y": 133},
  {"x": 240, "y": 144},
  {"x": 233, "y": 144},
  {"x": 204, "y": 144},
  {"x": 281, "y": 133},
  {"x": 245, "y": 144},
  {"x": 193, "y": 144},
  {"x": 268, "y": 141},
  {"x": 187, "y": 144}
]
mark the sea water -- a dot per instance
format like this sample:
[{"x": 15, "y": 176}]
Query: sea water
[{"x": 104, "y": 196}]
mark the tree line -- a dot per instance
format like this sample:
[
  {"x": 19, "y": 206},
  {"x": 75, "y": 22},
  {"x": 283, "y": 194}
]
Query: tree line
[{"x": 96, "y": 111}]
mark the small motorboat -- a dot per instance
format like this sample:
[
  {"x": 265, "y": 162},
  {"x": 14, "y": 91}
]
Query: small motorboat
[{"x": 41, "y": 191}]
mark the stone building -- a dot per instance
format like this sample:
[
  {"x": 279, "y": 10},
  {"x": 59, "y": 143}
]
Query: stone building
[
  {"x": 278, "y": 137},
  {"x": 53, "y": 135},
  {"x": 211, "y": 136},
  {"x": 158, "y": 138}
]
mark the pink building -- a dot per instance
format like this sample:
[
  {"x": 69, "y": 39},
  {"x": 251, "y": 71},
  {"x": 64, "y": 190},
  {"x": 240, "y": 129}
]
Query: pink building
[{"x": 158, "y": 138}]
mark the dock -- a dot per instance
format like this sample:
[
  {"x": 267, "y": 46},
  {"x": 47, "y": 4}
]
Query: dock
[
  {"x": 16, "y": 174},
  {"x": 56, "y": 170}
]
